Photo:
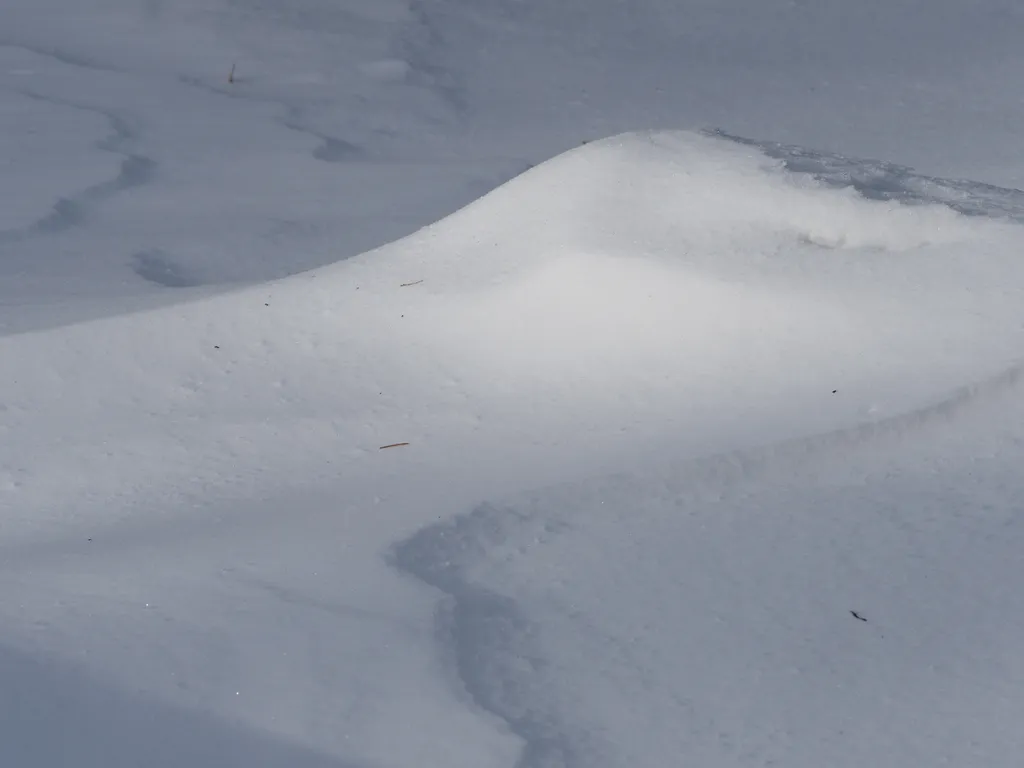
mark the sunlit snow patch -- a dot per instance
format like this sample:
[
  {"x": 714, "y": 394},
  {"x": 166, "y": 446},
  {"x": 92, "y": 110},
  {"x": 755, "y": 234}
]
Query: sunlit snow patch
[{"x": 700, "y": 269}]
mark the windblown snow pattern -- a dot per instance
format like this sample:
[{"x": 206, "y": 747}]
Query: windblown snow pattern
[{"x": 470, "y": 385}]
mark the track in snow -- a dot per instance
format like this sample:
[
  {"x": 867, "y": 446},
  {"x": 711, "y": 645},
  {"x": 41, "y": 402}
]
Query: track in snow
[{"x": 880, "y": 180}]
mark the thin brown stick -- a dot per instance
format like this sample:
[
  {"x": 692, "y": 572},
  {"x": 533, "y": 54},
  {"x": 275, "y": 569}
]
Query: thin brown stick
[
  {"x": 231, "y": 74},
  {"x": 406, "y": 285},
  {"x": 393, "y": 445}
]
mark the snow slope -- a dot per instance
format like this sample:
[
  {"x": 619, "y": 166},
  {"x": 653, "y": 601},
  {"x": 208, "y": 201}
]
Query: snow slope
[
  {"x": 215, "y": 536},
  {"x": 678, "y": 447}
]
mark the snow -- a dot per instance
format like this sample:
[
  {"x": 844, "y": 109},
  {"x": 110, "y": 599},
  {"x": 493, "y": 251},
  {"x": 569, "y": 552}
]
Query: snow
[{"x": 487, "y": 384}]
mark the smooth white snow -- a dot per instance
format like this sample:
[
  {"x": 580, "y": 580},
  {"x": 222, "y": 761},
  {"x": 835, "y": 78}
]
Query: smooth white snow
[{"x": 665, "y": 410}]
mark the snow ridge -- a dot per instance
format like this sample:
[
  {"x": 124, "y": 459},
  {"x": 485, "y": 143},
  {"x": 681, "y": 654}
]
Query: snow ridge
[{"x": 495, "y": 644}]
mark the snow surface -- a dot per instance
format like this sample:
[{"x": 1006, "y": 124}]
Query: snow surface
[{"x": 511, "y": 384}]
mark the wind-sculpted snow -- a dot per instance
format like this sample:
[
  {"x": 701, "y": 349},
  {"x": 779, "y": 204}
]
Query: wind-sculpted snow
[
  {"x": 653, "y": 300},
  {"x": 731, "y": 636},
  {"x": 644, "y": 448},
  {"x": 496, "y": 634}
]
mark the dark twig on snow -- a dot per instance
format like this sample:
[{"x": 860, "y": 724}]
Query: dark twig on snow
[
  {"x": 393, "y": 445},
  {"x": 857, "y": 616}
]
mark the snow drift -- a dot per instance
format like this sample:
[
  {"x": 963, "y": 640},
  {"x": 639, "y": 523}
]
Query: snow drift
[
  {"x": 640, "y": 302},
  {"x": 643, "y": 278}
]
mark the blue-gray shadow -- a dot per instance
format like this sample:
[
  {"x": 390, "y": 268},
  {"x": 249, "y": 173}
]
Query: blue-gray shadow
[{"x": 53, "y": 714}]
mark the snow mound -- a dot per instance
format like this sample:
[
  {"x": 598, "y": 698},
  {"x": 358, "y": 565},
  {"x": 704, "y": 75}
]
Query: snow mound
[
  {"x": 642, "y": 280},
  {"x": 670, "y": 193},
  {"x": 249, "y": 457},
  {"x": 692, "y": 265}
]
